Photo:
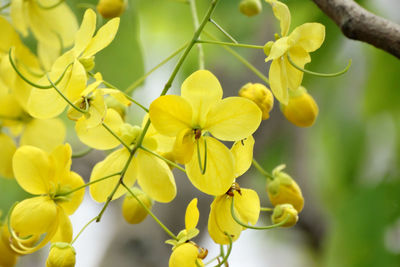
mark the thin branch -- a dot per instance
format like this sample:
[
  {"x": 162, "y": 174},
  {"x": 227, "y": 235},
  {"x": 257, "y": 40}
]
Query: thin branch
[{"x": 359, "y": 24}]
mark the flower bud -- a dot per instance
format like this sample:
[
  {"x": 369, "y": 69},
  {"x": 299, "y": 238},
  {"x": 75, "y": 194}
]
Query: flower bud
[
  {"x": 260, "y": 95},
  {"x": 129, "y": 133},
  {"x": 268, "y": 47},
  {"x": 61, "y": 255},
  {"x": 301, "y": 109},
  {"x": 8, "y": 258},
  {"x": 285, "y": 212},
  {"x": 111, "y": 8},
  {"x": 132, "y": 211},
  {"x": 88, "y": 63},
  {"x": 185, "y": 255},
  {"x": 250, "y": 7},
  {"x": 283, "y": 189}
]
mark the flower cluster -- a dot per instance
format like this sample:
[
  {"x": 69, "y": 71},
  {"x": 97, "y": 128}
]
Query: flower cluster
[{"x": 190, "y": 132}]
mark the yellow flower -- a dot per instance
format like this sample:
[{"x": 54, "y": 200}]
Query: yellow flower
[
  {"x": 185, "y": 255},
  {"x": 8, "y": 148},
  {"x": 200, "y": 110},
  {"x": 8, "y": 256},
  {"x": 153, "y": 174},
  {"x": 301, "y": 110},
  {"x": 48, "y": 176},
  {"x": 61, "y": 255},
  {"x": 48, "y": 25},
  {"x": 283, "y": 189},
  {"x": 303, "y": 40},
  {"x": 132, "y": 211},
  {"x": 261, "y": 95},
  {"x": 48, "y": 103},
  {"x": 220, "y": 220}
]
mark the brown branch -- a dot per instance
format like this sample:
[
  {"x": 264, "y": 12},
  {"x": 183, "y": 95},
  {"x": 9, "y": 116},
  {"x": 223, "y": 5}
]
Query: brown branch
[{"x": 359, "y": 24}]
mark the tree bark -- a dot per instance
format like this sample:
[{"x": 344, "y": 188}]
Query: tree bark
[{"x": 359, "y": 24}]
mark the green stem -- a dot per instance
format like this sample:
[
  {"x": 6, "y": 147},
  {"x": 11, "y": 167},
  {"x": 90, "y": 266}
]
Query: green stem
[
  {"x": 139, "y": 81},
  {"x": 5, "y": 6},
  {"x": 189, "y": 47},
  {"x": 28, "y": 81},
  {"x": 150, "y": 212},
  {"x": 228, "y": 252},
  {"x": 115, "y": 135},
  {"x": 162, "y": 158},
  {"x": 223, "y": 31},
  {"x": 230, "y": 44},
  {"x": 83, "y": 228},
  {"x": 193, "y": 10},
  {"x": 120, "y": 182},
  {"x": 266, "y": 209},
  {"x": 90, "y": 183},
  {"x": 242, "y": 60},
  {"x": 64, "y": 97},
  {"x": 254, "y": 227},
  {"x": 261, "y": 170},
  {"x": 327, "y": 75},
  {"x": 82, "y": 153}
]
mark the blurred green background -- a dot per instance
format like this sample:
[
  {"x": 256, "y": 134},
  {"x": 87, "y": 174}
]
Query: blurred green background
[{"x": 347, "y": 164}]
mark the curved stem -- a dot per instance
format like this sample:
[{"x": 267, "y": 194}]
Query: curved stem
[
  {"x": 150, "y": 212},
  {"x": 327, "y": 75},
  {"x": 254, "y": 227},
  {"x": 266, "y": 209},
  {"x": 223, "y": 31},
  {"x": 116, "y": 136},
  {"x": 139, "y": 81},
  {"x": 261, "y": 170},
  {"x": 193, "y": 10},
  {"x": 228, "y": 252},
  {"x": 65, "y": 98},
  {"x": 50, "y": 6},
  {"x": 242, "y": 60},
  {"x": 83, "y": 228},
  {"x": 82, "y": 153},
  {"x": 87, "y": 184},
  {"x": 162, "y": 158},
  {"x": 230, "y": 44},
  {"x": 5, "y": 6},
  {"x": 28, "y": 81}
]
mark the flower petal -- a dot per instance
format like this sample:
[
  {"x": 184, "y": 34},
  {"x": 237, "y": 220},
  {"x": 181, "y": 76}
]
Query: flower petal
[
  {"x": 170, "y": 114},
  {"x": 37, "y": 134},
  {"x": 309, "y": 36},
  {"x": 282, "y": 13},
  {"x": 184, "y": 146},
  {"x": 32, "y": 170},
  {"x": 113, "y": 163},
  {"x": 278, "y": 49},
  {"x": 202, "y": 90},
  {"x": 278, "y": 80},
  {"x": 34, "y": 216},
  {"x": 300, "y": 57},
  {"x": 85, "y": 33},
  {"x": 233, "y": 119},
  {"x": 242, "y": 152},
  {"x": 98, "y": 137},
  {"x": 64, "y": 231},
  {"x": 192, "y": 215},
  {"x": 247, "y": 205},
  {"x": 7, "y": 151},
  {"x": 72, "y": 201},
  {"x": 155, "y": 177},
  {"x": 219, "y": 169},
  {"x": 103, "y": 38}
]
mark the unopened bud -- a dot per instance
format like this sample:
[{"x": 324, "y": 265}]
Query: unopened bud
[
  {"x": 285, "y": 212},
  {"x": 113, "y": 103},
  {"x": 283, "y": 189},
  {"x": 261, "y": 95},
  {"x": 185, "y": 255},
  {"x": 301, "y": 110},
  {"x": 129, "y": 133},
  {"x": 61, "y": 255},
  {"x": 132, "y": 210},
  {"x": 250, "y": 7},
  {"x": 111, "y": 8},
  {"x": 88, "y": 63}
]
